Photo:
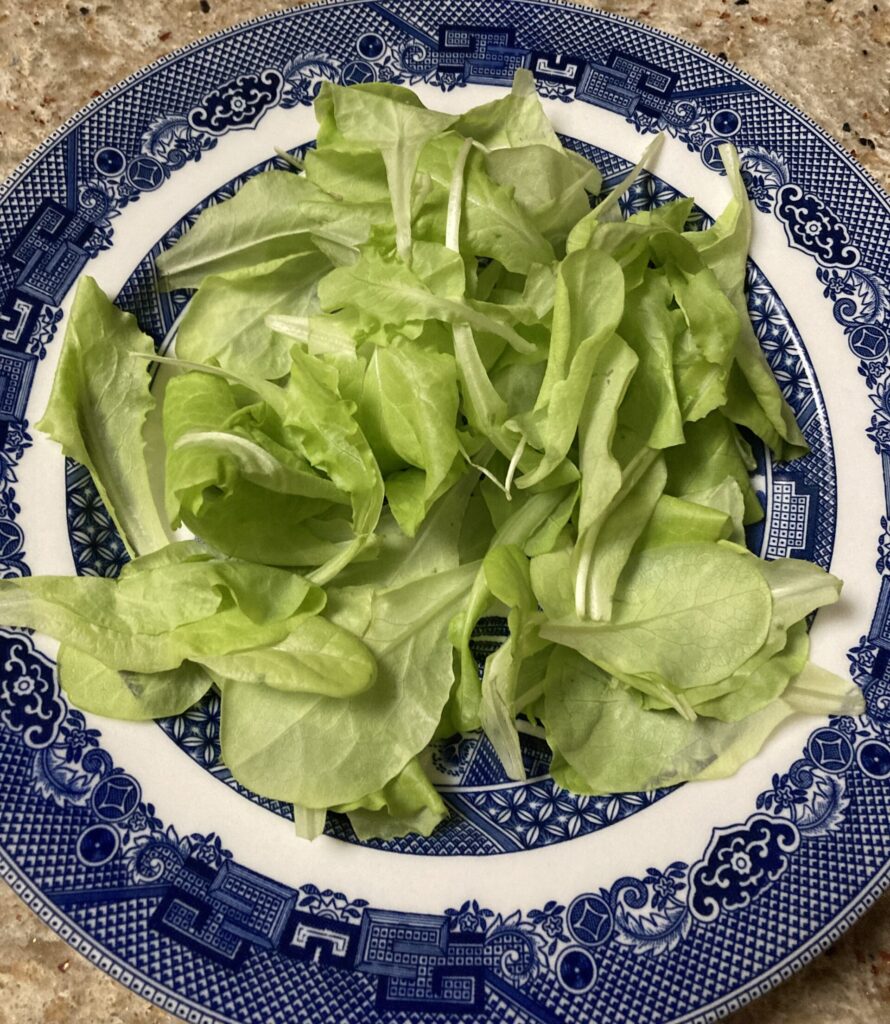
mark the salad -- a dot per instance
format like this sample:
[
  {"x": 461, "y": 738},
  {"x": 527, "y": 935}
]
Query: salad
[{"x": 428, "y": 375}]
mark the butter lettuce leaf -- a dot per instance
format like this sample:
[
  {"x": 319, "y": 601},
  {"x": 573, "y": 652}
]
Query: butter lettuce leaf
[
  {"x": 97, "y": 411},
  {"x": 319, "y": 751}
]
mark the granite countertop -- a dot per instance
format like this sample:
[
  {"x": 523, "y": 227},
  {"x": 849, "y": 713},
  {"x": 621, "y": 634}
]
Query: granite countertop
[{"x": 832, "y": 59}]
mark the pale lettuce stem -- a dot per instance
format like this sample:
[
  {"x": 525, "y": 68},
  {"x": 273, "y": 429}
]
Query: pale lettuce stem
[
  {"x": 186, "y": 364},
  {"x": 456, "y": 198},
  {"x": 325, "y": 573},
  {"x": 529, "y": 697},
  {"x": 486, "y": 473},
  {"x": 309, "y": 822},
  {"x": 611, "y": 200},
  {"x": 293, "y": 326},
  {"x": 514, "y": 463},
  {"x": 289, "y": 158},
  {"x": 632, "y": 473},
  {"x": 462, "y": 332},
  {"x": 401, "y": 164}
]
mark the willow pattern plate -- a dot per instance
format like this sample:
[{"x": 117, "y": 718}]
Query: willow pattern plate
[{"x": 133, "y": 841}]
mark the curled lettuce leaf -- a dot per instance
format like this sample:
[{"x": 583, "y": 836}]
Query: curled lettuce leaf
[{"x": 97, "y": 411}]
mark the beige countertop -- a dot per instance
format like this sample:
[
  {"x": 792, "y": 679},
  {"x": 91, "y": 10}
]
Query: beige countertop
[{"x": 832, "y": 59}]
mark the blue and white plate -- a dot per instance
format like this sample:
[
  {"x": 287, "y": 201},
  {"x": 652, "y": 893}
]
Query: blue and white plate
[{"x": 530, "y": 905}]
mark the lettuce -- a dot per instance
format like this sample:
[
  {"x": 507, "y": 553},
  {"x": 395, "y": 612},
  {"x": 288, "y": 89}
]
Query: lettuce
[
  {"x": 97, "y": 412},
  {"x": 423, "y": 382}
]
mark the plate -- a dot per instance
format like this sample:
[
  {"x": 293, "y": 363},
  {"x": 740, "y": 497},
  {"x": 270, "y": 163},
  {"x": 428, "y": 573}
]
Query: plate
[{"x": 530, "y": 905}]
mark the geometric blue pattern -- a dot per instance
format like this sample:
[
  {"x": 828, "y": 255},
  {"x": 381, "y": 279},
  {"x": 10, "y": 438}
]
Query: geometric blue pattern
[{"x": 170, "y": 914}]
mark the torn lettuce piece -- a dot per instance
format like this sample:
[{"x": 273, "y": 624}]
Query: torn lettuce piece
[
  {"x": 316, "y": 656},
  {"x": 714, "y": 450},
  {"x": 410, "y": 406},
  {"x": 754, "y": 399},
  {"x": 517, "y": 119},
  {"x": 689, "y": 614},
  {"x": 272, "y": 216},
  {"x": 319, "y": 751},
  {"x": 492, "y": 225},
  {"x": 233, "y": 478},
  {"x": 588, "y": 306},
  {"x": 602, "y": 476},
  {"x": 132, "y": 696},
  {"x": 385, "y": 292},
  {"x": 97, "y": 411},
  {"x": 153, "y": 620},
  {"x": 407, "y": 803},
  {"x": 508, "y": 578},
  {"x": 392, "y": 121},
  {"x": 529, "y": 515},
  {"x": 649, "y": 328},
  {"x": 605, "y": 742},
  {"x": 552, "y": 188},
  {"x": 225, "y": 321}
]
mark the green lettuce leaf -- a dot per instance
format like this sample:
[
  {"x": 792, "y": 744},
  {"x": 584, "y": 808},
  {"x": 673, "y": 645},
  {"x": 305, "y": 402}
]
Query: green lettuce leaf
[
  {"x": 394, "y": 122},
  {"x": 753, "y": 398},
  {"x": 232, "y": 478},
  {"x": 411, "y": 398},
  {"x": 225, "y": 322},
  {"x": 97, "y": 411},
  {"x": 492, "y": 224},
  {"x": 607, "y": 743},
  {"x": 316, "y": 656},
  {"x": 385, "y": 292},
  {"x": 508, "y": 578},
  {"x": 153, "y": 620},
  {"x": 319, "y": 751},
  {"x": 133, "y": 696},
  {"x": 588, "y": 307},
  {"x": 688, "y": 613},
  {"x": 407, "y": 803},
  {"x": 273, "y": 216}
]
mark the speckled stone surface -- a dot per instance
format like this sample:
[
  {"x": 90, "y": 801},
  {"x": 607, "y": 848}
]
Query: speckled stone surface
[{"x": 832, "y": 59}]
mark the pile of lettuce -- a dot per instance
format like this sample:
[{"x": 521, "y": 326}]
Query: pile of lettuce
[{"x": 427, "y": 377}]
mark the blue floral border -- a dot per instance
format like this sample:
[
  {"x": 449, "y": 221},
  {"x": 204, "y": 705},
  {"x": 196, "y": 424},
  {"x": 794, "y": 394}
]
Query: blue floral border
[{"x": 541, "y": 963}]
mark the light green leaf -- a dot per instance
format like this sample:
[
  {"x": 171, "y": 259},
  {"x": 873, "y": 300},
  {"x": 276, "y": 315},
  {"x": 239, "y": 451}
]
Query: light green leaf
[
  {"x": 689, "y": 614},
  {"x": 132, "y": 696},
  {"x": 385, "y": 120},
  {"x": 588, "y": 307},
  {"x": 714, "y": 450},
  {"x": 754, "y": 399},
  {"x": 320, "y": 751},
  {"x": 385, "y": 292},
  {"x": 549, "y": 186},
  {"x": 97, "y": 411},
  {"x": 316, "y": 656},
  {"x": 676, "y": 521},
  {"x": 225, "y": 322},
  {"x": 649, "y": 327},
  {"x": 274, "y": 215},
  {"x": 611, "y": 744},
  {"x": 517, "y": 119},
  {"x": 492, "y": 224},
  {"x": 528, "y": 517},
  {"x": 411, "y": 398},
  {"x": 153, "y": 620},
  {"x": 407, "y": 803}
]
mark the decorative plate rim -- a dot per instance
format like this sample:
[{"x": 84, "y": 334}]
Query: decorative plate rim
[{"x": 23, "y": 166}]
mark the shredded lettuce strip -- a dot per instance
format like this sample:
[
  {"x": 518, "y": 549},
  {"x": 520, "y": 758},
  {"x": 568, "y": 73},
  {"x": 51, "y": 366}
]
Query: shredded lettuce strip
[{"x": 428, "y": 374}]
